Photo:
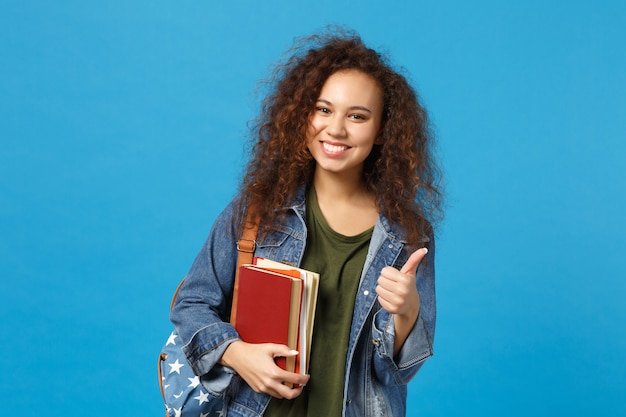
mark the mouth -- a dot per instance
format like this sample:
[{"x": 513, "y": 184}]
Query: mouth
[{"x": 334, "y": 149}]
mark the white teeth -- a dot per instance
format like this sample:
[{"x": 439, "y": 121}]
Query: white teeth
[{"x": 334, "y": 148}]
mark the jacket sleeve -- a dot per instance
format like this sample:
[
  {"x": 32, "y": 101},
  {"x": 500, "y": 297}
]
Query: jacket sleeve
[
  {"x": 202, "y": 307},
  {"x": 419, "y": 344}
]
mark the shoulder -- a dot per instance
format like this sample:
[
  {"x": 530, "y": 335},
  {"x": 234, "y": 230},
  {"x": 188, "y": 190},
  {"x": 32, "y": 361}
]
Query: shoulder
[{"x": 228, "y": 220}]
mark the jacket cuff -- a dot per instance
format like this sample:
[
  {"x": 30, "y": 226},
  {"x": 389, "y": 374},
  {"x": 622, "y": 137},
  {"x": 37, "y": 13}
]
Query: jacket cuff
[
  {"x": 415, "y": 350},
  {"x": 204, "y": 351},
  {"x": 417, "y": 347}
]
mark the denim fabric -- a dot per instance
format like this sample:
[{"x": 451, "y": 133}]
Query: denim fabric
[
  {"x": 375, "y": 380},
  {"x": 183, "y": 394}
]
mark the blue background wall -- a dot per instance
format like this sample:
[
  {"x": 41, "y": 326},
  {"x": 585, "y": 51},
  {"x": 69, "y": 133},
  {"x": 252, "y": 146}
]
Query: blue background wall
[{"x": 122, "y": 126}]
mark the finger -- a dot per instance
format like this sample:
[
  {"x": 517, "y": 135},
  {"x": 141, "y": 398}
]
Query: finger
[
  {"x": 279, "y": 383},
  {"x": 291, "y": 377},
  {"x": 282, "y": 351},
  {"x": 297, "y": 380},
  {"x": 288, "y": 385},
  {"x": 410, "y": 267},
  {"x": 386, "y": 293},
  {"x": 388, "y": 298},
  {"x": 283, "y": 391},
  {"x": 385, "y": 298},
  {"x": 390, "y": 278}
]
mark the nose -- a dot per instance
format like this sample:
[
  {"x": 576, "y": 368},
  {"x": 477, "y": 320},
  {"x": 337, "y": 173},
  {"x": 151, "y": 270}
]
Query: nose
[{"x": 336, "y": 127}]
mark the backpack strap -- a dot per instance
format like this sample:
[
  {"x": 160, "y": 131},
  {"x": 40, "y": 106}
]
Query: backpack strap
[{"x": 245, "y": 248}]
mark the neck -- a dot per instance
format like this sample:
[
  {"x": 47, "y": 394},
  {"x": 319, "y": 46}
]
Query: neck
[
  {"x": 339, "y": 187},
  {"x": 345, "y": 203}
]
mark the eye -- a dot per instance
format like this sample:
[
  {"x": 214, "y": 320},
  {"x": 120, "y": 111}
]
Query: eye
[
  {"x": 322, "y": 109},
  {"x": 357, "y": 116}
]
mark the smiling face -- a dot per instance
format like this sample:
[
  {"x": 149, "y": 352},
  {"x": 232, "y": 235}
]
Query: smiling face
[{"x": 345, "y": 123}]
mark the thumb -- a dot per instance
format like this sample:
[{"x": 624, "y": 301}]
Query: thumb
[{"x": 410, "y": 267}]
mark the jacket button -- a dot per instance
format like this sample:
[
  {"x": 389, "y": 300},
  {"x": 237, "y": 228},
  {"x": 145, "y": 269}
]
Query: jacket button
[{"x": 376, "y": 342}]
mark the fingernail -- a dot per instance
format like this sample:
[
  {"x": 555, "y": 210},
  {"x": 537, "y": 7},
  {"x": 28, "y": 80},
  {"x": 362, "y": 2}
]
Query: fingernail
[
  {"x": 294, "y": 352},
  {"x": 425, "y": 251}
]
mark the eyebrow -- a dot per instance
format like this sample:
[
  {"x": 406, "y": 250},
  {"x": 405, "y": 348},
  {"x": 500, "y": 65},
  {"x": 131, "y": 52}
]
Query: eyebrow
[{"x": 362, "y": 108}]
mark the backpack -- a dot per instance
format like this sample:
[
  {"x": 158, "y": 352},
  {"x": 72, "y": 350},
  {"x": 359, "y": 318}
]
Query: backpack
[{"x": 182, "y": 390}]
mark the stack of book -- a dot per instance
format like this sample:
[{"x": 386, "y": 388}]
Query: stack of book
[{"x": 275, "y": 303}]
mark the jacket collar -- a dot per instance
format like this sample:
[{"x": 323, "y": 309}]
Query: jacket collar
[{"x": 386, "y": 228}]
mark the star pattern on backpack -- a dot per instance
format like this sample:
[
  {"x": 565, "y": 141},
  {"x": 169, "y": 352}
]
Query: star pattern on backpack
[{"x": 183, "y": 391}]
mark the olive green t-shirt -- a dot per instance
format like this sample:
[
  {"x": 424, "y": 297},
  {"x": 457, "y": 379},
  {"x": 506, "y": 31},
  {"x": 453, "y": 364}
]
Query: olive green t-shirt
[{"x": 339, "y": 260}]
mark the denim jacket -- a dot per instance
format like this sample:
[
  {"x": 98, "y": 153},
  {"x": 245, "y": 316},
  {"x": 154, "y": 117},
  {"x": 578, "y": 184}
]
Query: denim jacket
[{"x": 375, "y": 382}]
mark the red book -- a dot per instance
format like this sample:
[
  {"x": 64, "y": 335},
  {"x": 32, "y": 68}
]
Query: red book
[
  {"x": 267, "y": 309},
  {"x": 310, "y": 284}
]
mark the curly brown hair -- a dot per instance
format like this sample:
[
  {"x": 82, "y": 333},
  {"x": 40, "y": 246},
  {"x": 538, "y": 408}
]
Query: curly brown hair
[{"x": 400, "y": 172}]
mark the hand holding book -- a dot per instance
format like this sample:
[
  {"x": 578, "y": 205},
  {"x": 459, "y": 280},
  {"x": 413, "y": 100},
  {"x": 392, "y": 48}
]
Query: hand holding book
[{"x": 255, "y": 364}]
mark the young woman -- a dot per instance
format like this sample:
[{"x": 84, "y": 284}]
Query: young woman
[{"x": 343, "y": 181}]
